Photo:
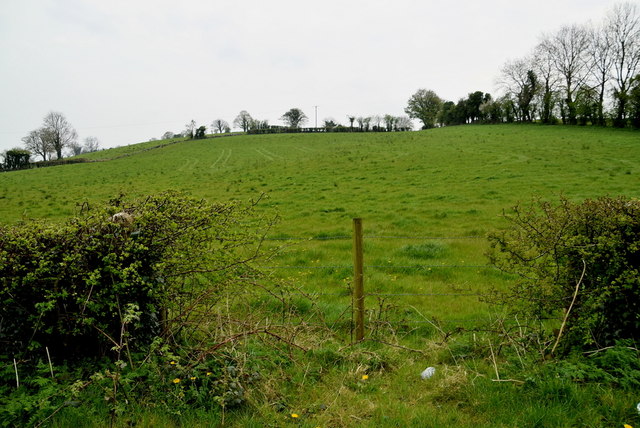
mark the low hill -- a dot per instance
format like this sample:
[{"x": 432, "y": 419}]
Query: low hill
[{"x": 396, "y": 181}]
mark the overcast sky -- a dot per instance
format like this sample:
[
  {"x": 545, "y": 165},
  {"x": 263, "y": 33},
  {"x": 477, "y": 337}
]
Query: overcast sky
[{"x": 128, "y": 70}]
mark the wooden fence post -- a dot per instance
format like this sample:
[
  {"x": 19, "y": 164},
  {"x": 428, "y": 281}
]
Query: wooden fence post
[{"x": 358, "y": 278}]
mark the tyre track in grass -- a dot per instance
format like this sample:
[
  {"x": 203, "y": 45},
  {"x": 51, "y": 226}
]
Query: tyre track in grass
[{"x": 224, "y": 157}]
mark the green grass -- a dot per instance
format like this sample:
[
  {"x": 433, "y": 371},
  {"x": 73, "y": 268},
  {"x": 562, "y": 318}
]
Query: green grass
[
  {"x": 443, "y": 183},
  {"x": 454, "y": 180}
]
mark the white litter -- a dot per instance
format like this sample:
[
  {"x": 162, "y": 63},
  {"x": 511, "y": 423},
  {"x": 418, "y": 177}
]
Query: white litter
[
  {"x": 428, "y": 372},
  {"x": 638, "y": 407}
]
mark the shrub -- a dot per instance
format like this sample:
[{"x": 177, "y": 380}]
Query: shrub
[
  {"x": 133, "y": 270},
  {"x": 552, "y": 249}
]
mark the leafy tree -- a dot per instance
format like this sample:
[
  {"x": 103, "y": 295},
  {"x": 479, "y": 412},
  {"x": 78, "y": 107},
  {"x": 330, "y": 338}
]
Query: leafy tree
[
  {"x": 508, "y": 108},
  {"x": 586, "y": 105},
  {"x": 257, "y": 125},
  {"x": 243, "y": 121},
  {"x": 294, "y": 118},
  {"x": 329, "y": 124},
  {"x": 389, "y": 121},
  {"x": 200, "y": 132},
  {"x": 526, "y": 96},
  {"x": 474, "y": 101},
  {"x": 16, "y": 159},
  {"x": 59, "y": 131},
  {"x": 492, "y": 111},
  {"x": 446, "y": 115},
  {"x": 461, "y": 114},
  {"x": 167, "y": 135},
  {"x": 424, "y": 106},
  {"x": 634, "y": 102}
]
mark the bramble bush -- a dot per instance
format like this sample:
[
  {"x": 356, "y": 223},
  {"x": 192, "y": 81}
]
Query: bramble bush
[
  {"x": 118, "y": 304},
  {"x": 68, "y": 287},
  {"x": 153, "y": 303},
  {"x": 553, "y": 248}
]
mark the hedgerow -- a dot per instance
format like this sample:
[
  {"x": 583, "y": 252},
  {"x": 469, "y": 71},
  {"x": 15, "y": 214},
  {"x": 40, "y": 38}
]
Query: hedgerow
[
  {"x": 67, "y": 286},
  {"x": 578, "y": 264}
]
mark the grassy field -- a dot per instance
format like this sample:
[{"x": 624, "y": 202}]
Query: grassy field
[
  {"x": 451, "y": 182},
  {"x": 454, "y": 180},
  {"x": 428, "y": 199}
]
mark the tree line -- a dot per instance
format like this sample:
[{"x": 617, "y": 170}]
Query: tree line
[
  {"x": 55, "y": 137},
  {"x": 581, "y": 74},
  {"x": 293, "y": 120}
]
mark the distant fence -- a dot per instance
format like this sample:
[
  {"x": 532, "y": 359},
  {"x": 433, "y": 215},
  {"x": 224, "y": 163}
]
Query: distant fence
[{"x": 339, "y": 128}]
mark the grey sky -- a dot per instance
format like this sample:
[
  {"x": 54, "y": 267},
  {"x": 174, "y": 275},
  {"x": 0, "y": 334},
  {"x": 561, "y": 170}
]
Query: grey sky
[{"x": 128, "y": 70}]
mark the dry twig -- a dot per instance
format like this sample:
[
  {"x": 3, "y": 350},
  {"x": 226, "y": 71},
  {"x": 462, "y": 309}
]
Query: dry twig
[{"x": 566, "y": 315}]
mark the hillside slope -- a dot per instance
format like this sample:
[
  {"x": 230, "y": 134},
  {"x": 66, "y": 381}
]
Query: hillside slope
[{"x": 466, "y": 175}]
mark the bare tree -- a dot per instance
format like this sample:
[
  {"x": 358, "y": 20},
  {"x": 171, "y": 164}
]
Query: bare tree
[
  {"x": 624, "y": 24},
  {"x": 190, "y": 129},
  {"x": 351, "y": 119},
  {"x": 243, "y": 120},
  {"x": 403, "y": 123},
  {"x": 367, "y": 123},
  {"x": 519, "y": 79},
  {"x": 60, "y": 131},
  {"x": 548, "y": 84},
  {"x": 74, "y": 148},
  {"x": 567, "y": 49},
  {"x": 601, "y": 62},
  {"x": 38, "y": 142},
  {"x": 377, "y": 120},
  {"x": 91, "y": 144},
  {"x": 219, "y": 126}
]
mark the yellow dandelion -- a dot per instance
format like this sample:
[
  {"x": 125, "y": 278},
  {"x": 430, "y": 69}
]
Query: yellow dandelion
[
  {"x": 209, "y": 373},
  {"x": 627, "y": 426},
  {"x": 192, "y": 378},
  {"x": 365, "y": 377},
  {"x": 176, "y": 380},
  {"x": 294, "y": 415},
  {"x": 173, "y": 363}
]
